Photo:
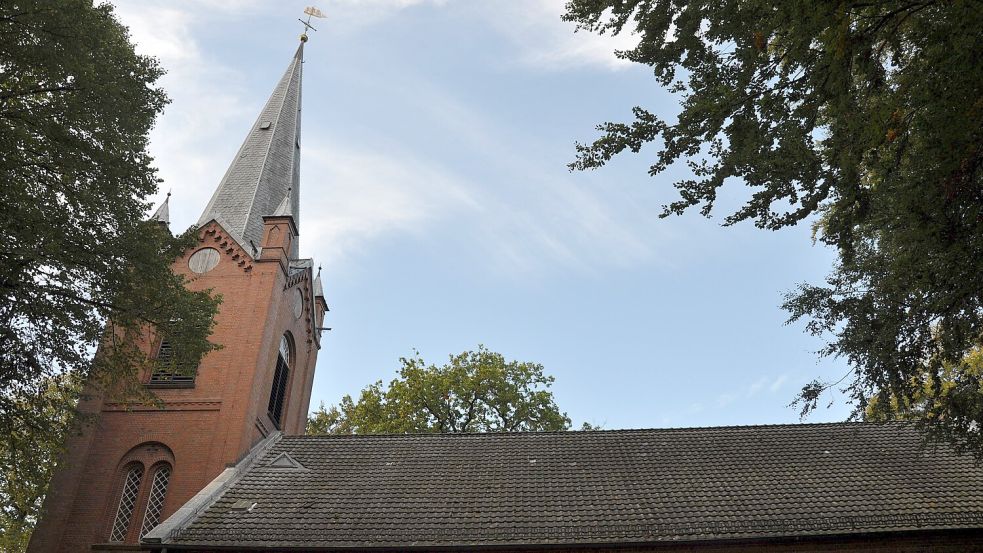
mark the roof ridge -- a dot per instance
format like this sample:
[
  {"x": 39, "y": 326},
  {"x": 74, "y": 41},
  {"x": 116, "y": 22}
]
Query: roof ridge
[
  {"x": 610, "y": 431},
  {"x": 454, "y": 492}
]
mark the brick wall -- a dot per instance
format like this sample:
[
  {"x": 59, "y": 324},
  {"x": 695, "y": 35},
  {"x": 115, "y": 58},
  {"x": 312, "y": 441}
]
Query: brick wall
[{"x": 203, "y": 428}]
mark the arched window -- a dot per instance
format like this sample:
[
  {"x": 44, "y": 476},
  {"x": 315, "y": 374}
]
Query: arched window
[
  {"x": 127, "y": 501},
  {"x": 280, "y": 377},
  {"x": 155, "y": 502},
  {"x": 139, "y": 501}
]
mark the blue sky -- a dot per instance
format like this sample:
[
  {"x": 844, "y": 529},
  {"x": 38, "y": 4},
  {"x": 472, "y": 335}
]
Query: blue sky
[{"x": 434, "y": 192}]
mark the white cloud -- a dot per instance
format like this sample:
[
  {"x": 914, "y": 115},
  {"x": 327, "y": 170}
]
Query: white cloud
[
  {"x": 763, "y": 383},
  {"x": 547, "y": 42},
  {"x": 756, "y": 387},
  {"x": 188, "y": 143},
  {"x": 777, "y": 383},
  {"x": 534, "y": 215},
  {"x": 531, "y": 220},
  {"x": 541, "y": 38},
  {"x": 353, "y": 16},
  {"x": 363, "y": 194}
]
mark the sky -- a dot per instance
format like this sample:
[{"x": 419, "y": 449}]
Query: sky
[{"x": 435, "y": 194}]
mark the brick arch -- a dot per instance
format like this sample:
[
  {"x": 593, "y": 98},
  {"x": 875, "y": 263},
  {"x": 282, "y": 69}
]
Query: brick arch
[
  {"x": 149, "y": 456},
  {"x": 149, "y": 453}
]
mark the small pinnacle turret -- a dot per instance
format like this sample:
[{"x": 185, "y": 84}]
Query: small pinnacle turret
[
  {"x": 285, "y": 208},
  {"x": 318, "y": 288},
  {"x": 163, "y": 213}
]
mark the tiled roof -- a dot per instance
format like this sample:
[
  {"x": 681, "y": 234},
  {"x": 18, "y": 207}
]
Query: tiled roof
[
  {"x": 266, "y": 166},
  {"x": 605, "y": 487}
]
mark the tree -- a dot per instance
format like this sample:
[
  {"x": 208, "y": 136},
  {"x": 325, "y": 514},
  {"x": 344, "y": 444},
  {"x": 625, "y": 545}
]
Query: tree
[
  {"x": 80, "y": 267},
  {"x": 477, "y": 391},
  {"x": 27, "y": 462},
  {"x": 937, "y": 397},
  {"x": 864, "y": 118}
]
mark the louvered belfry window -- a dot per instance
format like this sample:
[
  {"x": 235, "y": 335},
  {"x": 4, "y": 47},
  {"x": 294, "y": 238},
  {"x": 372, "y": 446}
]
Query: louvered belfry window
[
  {"x": 155, "y": 503},
  {"x": 167, "y": 373},
  {"x": 280, "y": 376},
  {"x": 127, "y": 502}
]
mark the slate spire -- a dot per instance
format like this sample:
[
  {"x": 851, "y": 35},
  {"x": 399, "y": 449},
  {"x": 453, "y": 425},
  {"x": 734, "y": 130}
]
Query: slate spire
[{"x": 266, "y": 171}]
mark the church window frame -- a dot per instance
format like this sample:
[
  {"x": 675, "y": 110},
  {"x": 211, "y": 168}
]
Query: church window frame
[
  {"x": 280, "y": 387},
  {"x": 167, "y": 373},
  {"x": 204, "y": 260},
  {"x": 156, "y": 496},
  {"x": 127, "y": 502},
  {"x": 134, "y": 494}
]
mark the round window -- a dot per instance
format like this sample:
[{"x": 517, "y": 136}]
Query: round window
[
  {"x": 298, "y": 303},
  {"x": 204, "y": 260}
]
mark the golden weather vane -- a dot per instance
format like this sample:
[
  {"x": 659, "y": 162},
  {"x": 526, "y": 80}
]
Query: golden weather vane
[{"x": 310, "y": 11}]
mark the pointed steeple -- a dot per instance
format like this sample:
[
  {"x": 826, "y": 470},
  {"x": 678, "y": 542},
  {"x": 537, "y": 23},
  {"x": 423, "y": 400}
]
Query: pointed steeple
[
  {"x": 163, "y": 213},
  {"x": 266, "y": 171}
]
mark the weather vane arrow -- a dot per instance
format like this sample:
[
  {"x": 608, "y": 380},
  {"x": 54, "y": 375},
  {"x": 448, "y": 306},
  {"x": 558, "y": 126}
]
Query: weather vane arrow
[{"x": 310, "y": 11}]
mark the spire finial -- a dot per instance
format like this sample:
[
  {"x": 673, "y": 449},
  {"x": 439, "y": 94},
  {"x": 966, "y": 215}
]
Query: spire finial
[{"x": 310, "y": 11}]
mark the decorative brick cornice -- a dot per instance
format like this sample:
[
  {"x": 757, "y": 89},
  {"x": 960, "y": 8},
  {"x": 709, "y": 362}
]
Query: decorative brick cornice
[
  {"x": 171, "y": 405},
  {"x": 295, "y": 279},
  {"x": 213, "y": 235},
  {"x": 303, "y": 277}
]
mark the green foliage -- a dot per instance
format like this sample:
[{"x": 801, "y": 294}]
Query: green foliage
[
  {"x": 477, "y": 391},
  {"x": 27, "y": 461},
  {"x": 866, "y": 117},
  {"x": 80, "y": 268},
  {"x": 937, "y": 395}
]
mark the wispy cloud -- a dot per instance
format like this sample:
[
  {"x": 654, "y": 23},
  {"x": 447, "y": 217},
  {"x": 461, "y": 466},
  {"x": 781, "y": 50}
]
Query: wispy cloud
[
  {"x": 535, "y": 215},
  {"x": 366, "y": 195},
  {"x": 547, "y": 42},
  {"x": 534, "y": 27},
  {"x": 769, "y": 384},
  {"x": 777, "y": 383},
  {"x": 205, "y": 99},
  {"x": 525, "y": 218}
]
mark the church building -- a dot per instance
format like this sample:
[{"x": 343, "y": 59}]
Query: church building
[
  {"x": 137, "y": 464},
  {"x": 221, "y": 464}
]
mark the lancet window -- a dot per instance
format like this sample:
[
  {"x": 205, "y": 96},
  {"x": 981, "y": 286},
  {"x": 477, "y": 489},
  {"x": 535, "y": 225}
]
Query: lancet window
[
  {"x": 127, "y": 502},
  {"x": 140, "y": 497},
  {"x": 281, "y": 375}
]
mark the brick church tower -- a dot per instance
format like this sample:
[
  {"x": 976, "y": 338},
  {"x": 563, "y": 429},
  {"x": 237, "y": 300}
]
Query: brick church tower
[{"x": 137, "y": 464}]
